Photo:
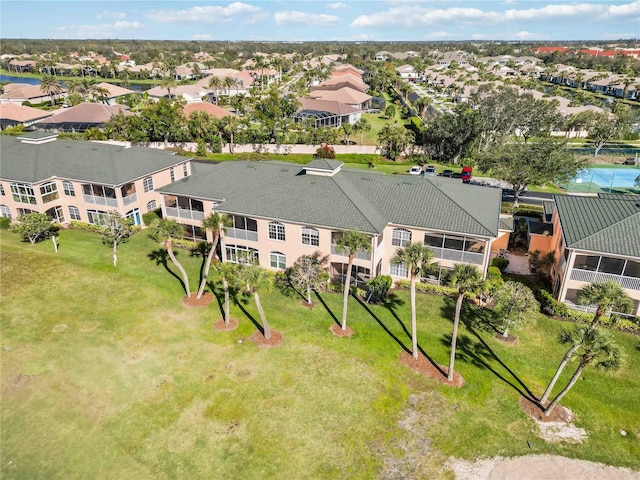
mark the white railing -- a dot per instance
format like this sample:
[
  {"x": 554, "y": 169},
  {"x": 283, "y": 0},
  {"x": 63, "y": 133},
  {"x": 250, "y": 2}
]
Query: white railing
[
  {"x": 593, "y": 308},
  {"x": 184, "y": 213},
  {"x": 242, "y": 234},
  {"x": 107, "y": 201},
  {"x": 128, "y": 200},
  {"x": 458, "y": 255},
  {"x": 588, "y": 276},
  {"x": 360, "y": 255}
]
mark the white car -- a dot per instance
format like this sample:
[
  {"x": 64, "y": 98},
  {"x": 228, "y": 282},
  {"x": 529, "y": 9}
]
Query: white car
[{"x": 415, "y": 170}]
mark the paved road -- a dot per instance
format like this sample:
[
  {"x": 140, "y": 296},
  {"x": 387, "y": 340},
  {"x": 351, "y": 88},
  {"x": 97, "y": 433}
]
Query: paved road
[{"x": 528, "y": 198}]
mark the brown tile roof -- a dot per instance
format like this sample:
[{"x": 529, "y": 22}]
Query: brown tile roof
[
  {"x": 114, "y": 90},
  {"x": 206, "y": 107},
  {"x": 22, "y": 90},
  {"x": 86, "y": 113},
  {"x": 20, "y": 113},
  {"x": 330, "y": 106},
  {"x": 346, "y": 95}
]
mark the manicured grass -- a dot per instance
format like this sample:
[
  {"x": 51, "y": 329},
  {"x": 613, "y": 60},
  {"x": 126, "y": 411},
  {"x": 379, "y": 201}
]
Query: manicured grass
[{"x": 106, "y": 375}]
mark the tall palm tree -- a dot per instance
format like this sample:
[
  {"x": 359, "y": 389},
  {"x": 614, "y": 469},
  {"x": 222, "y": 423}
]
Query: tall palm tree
[
  {"x": 216, "y": 223},
  {"x": 51, "y": 86},
  {"x": 229, "y": 125},
  {"x": 228, "y": 83},
  {"x": 362, "y": 126},
  {"x": 466, "y": 278},
  {"x": 164, "y": 232},
  {"x": 606, "y": 296},
  {"x": 169, "y": 83},
  {"x": 215, "y": 84},
  {"x": 227, "y": 272},
  {"x": 351, "y": 242},
  {"x": 595, "y": 347},
  {"x": 257, "y": 279},
  {"x": 416, "y": 257}
]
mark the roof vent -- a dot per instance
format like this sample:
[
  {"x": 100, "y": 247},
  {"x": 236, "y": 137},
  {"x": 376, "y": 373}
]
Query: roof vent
[{"x": 38, "y": 137}]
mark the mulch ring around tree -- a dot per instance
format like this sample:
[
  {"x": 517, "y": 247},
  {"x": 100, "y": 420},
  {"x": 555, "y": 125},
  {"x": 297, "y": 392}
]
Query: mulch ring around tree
[
  {"x": 558, "y": 414},
  {"x": 275, "y": 341},
  {"x": 192, "y": 301},
  {"x": 308, "y": 305},
  {"x": 509, "y": 339},
  {"x": 338, "y": 332},
  {"x": 232, "y": 325},
  {"x": 423, "y": 366}
]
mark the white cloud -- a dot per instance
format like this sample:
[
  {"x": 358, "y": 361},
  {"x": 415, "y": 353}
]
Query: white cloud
[
  {"x": 201, "y": 36},
  {"x": 119, "y": 29},
  {"x": 509, "y": 2},
  {"x": 203, "y": 15},
  {"x": 436, "y": 35},
  {"x": 312, "y": 19},
  {"x": 337, "y": 5},
  {"x": 524, "y": 35},
  {"x": 107, "y": 14},
  {"x": 424, "y": 16}
]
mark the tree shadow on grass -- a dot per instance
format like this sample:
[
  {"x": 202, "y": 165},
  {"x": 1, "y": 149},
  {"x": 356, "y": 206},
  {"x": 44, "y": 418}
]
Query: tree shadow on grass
[
  {"x": 384, "y": 327},
  {"x": 161, "y": 257},
  {"x": 478, "y": 352},
  {"x": 326, "y": 307},
  {"x": 240, "y": 303},
  {"x": 201, "y": 250},
  {"x": 391, "y": 302}
]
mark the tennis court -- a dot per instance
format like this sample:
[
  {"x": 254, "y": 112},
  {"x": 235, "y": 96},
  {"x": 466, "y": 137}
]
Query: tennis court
[{"x": 594, "y": 180}]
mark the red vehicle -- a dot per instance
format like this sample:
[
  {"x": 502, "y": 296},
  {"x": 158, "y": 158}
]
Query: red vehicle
[{"x": 466, "y": 174}]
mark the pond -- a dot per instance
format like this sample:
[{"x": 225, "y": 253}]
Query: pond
[{"x": 136, "y": 87}]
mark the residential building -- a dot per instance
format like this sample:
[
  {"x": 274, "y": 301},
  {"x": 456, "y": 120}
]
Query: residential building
[
  {"x": 12, "y": 114},
  {"x": 71, "y": 180},
  {"x": 81, "y": 117},
  {"x": 326, "y": 113},
  {"x": 281, "y": 211},
  {"x": 596, "y": 239},
  {"x": 23, "y": 92}
]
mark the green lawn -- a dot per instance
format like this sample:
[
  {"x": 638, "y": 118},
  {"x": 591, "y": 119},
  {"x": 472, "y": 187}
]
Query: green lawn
[{"x": 106, "y": 375}]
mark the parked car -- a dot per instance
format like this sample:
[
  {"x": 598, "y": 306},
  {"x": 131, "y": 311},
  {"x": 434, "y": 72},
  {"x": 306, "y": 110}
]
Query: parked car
[
  {"x": 430, "y": 171},
  {"x": 456, "y": 175},
  {"x": 415, "y": 170},
  {"x": 447, "y": 173},
  {"x": 466, "y": 174}
]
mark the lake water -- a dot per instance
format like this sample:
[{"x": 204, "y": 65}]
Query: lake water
[
  {"x": 609, "y": 177},
  {"x": 136, "y": 87}
]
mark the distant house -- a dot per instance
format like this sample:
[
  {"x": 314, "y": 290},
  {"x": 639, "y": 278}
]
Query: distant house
[
  {"x": 113, "y": 92},
  {"x": 206, "y": 107},
  {"x": 22, "y": 66},
  {"x": 382, "y": 55},
  {"x": 190, "y": 93},
  {"x": 81, "y": 117},
  {"x": 407, "y": 72},
  {"x": 23, "y": 92},
  {"x": 347, "y": 95},
  {"x": 12, "y": 114},
  {"x": 326, "y": 113}
]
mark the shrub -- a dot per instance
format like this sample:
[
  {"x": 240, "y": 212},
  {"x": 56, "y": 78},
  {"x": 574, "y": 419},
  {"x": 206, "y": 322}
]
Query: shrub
[
  {"x": 325, "y": 151},
  {"x": 5, "y": 223},
  {"x": 430, "y": 288},
  {"x": 149, "y": 217},
  {"x": 379, "y": 288},
  {"x": 89, "y": 227},
  {"x": 500, "y": 263},
  {"x": 185, "y": 244}
]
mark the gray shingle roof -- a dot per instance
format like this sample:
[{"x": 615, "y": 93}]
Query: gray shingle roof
[
  {"x": 83, "y": 161},
  {"x": 351, "y": 199},
  {"x": 608, "y": 224},
  {"x": 324, "y": 164}
]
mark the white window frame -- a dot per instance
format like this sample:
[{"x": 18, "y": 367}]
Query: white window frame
[
  {"x": 152, "y": 205},
  {"x": 172, "y": 175},
  {"x": 185, "y": 171},
  {"x": 2, "y": 190},
  {"x": 5, "y": 212},
  {"x": 398, "y": 270},
  {"x": 276, "y": 231},
  {"x": 400, "y": 237},
  {"x": 74, "y": 213},
  {"x": 23, "y": 193},
  {"x": 68, "y": 189},
  {"x": 232, "y": 251},
  {"x": 311, "y": 234},
  {"x": 96, "y": 217},
  {"x": 277, "y": 260},
  {"x": 147, "y": 184},
  {"x": 49, "y": 192}
]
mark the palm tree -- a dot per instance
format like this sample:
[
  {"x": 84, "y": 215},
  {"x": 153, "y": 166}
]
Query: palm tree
[
  {"x": 215, "y": 84},
  {"x": 606, "y": 296},
  {"x": 350, "y": 242},
  {"x": 164, "y": 232},
  {"x": 216, "y": 223},
  {"x": 168, "y": 83},
  {"x": 228, "y": 274},
  {"x": 228, "y": 83},
  {"x": 51, "y": 86},
  {"x": 594, "y": 347},
  {"x": 466, "y": 278},
  {"x": 416, "y": 257},
  {"x": 362, "y": 126},
  {"x": 257, "y": 279},
  {"x": 229, "y": 125}
]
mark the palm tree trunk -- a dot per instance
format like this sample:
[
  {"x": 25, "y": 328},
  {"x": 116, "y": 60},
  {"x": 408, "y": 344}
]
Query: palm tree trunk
[
  {"x": 225, "y": 285},
  {"x": 563, "y": 364},
  {"x": 597, "y": 316},
  {"x": 207, "y": 265},
  {"x": 265, "y": 325},
  {"x": 347, "y": 288},
  {"x": 115, "y": 253},
  {"x": 454, "y": 336},
  {"x": 185, "y": 279},
  {"x": 414, "y": 334},
  {"x": 564, "y": 391}
]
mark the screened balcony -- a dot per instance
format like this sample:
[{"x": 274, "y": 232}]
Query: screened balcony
[
  {"x": 183, "y": 207},
  {"x": 99, "y": 195},
  {"x": 597, "y": 268}
]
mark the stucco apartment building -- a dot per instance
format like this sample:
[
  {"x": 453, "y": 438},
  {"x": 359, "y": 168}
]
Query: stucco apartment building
[
  {"x": 281, "y": 211},
  {"x": 71, "y": 180},
  {"x": 596, "y": 239}
]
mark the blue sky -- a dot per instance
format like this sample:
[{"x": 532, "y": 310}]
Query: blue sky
[{"x": 348, "y": 20}]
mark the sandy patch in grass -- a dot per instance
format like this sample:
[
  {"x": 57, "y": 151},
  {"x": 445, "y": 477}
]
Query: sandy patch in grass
[
  {"x": 162, "y": 380},
  {"x": 134, "y": 358},
  {"x": 16, "y": 380},
  {"x": 89, "y": 326},
  {"x": 60, "y": 328},
  {"x": 184, "y": 357},
  {"x": 558, "y": 426}
]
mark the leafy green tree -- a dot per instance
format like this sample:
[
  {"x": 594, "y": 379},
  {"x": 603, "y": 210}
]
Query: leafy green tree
[
  {"x": 34, "y": 227},
  {"x": 466, "y": 278},
  {"x": 51, "y": 86},
  {"x": 274, "y": 114},
  {"x": 257, "y": 279},
  {"x": 390, "y": 111},
  {"x": 350, "y": 242},
  {"x": 162, "y": 121},
  {"x": 606, "y": 296},
  {"x": 216, "y": 223},
  {"x": 600, "y": 128},
  {"x": 637, "y": 181},
  {"x": 362, "y": 126},
  {"x": 535, "y": 163},
  {"x": 515, "y": 303},
  {"x": 308, "y": 273},
  {"x": 416, "y": 257},
  {"x": 591, "y": 346},
  {"x": 452, "y": 136},
  {"x": 394, "y": 139},
  {"x": 163, "y": 232},
  {"x": 116, "y": 229}
]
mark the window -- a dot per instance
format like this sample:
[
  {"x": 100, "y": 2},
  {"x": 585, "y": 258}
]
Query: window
[
  {"x": 68, "y": 189},
  {"x": 23, "y": 211},
  {"x": 632, "y": 269},
  {"x": 151, "y": 205},
  {"x": 586, "y": 262},
  {"x": 276, "y": 231},
  {"x": 49, "y": 192},
  {"x": 244, "y": 223},
  {"x": 74, "y": 213},
  {"x": 242, "y": 254},
  {"x": 433, "y": 240},
  {"x": 134, "y": 216},
  {"x": 193, "y": 233},
  {"x": 185, "y": 172},
  {"x": 277, "y": 260},
  {"x": 96, "y": 217},
  {"x": 172, "y": 175},
  {"x": 400, "y": 237},
  {"x": 398, "y": 270},
  {"x": 2, "y": 190},
  {"x": 5, "y": 212},
  {"x": 147, "y": 184},
  {"x": 56, "y": 213},
  {"x": 23, "y": 193},
  {"x": 310, "y": 236},
  {"x": 614, "y": 266},
  {"x": 454, "y": 243}
]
